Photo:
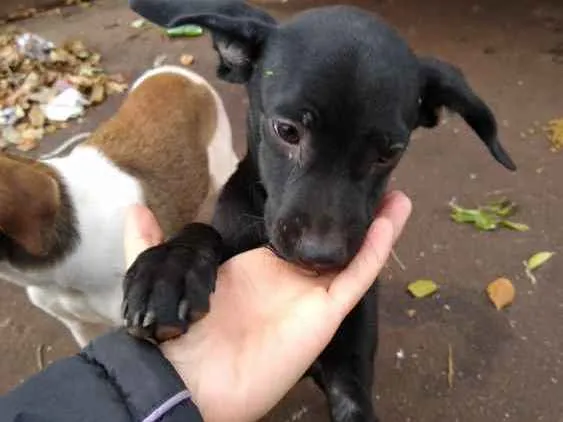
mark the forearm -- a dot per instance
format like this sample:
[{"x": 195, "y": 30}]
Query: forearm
[{"x": 115, "y": 378}]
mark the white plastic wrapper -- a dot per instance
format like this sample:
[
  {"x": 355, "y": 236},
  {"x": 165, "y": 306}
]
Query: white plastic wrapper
[
  {"x": 34, "y": 46},
  {"x": 65, "y": 106}
]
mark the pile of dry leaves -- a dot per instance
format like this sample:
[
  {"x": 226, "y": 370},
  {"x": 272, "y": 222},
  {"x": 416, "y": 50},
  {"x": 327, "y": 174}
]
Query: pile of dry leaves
[{"x": 42, "y": 86}]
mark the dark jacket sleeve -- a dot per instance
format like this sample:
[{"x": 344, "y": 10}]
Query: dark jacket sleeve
[{"x": 116, "y": 378}]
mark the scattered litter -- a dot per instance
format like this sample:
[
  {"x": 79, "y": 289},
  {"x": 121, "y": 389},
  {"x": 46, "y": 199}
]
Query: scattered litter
[
  {"x": 451, "y": 371},
  {"x": 9, "y": 116},
  {"x": 159, "y": 60},
  {"x": 422, "y": 288},
  {"x": 536, "y": 261},
  {"x": 554, "y": 132},
  {"x": 298, "y": 415},
  {"x": 139, "y": 23},
  {"x": 398, "y": 260},
  {"x": 40, "y": 357},
  {"x": 489, "y": 217},
  {"x": 5, "y": 323},
  {"x": 34, "y": 47},
  {"x": 501, "y": 292},
  {"x": 411, "y": 313},
  {"x": 185, "y": 31},
  {"x": 187, "y": 59},
  {"x": 65, "y": 106},
  {"x": 400, "y": 356},
  {"x": 43, "y": 85}
]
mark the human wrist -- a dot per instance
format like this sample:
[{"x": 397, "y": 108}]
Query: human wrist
[{"x": 147, "y": 382}]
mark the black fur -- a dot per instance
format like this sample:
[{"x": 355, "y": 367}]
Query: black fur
[{"x": 350, "y": 91}]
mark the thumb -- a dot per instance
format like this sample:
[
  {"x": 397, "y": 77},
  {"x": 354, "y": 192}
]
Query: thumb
[
  {"x": 353, "y": 282},
  {"x": 141, "y": 232}
]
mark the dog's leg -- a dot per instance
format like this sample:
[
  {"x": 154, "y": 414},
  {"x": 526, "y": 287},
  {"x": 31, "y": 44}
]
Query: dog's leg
[
  {"x": 344, "y": 371},
  {"x": 52, "y": 301}
]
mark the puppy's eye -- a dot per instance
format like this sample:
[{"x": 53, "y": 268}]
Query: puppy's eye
[
  {"x": 390, "y": 154},
  {"x": 286, "y": 131}
]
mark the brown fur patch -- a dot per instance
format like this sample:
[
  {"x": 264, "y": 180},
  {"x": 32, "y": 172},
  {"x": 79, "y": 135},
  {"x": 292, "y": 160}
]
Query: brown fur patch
[
  {"x": 160, "y": 136},
  {"x": 36, "y": 216}
]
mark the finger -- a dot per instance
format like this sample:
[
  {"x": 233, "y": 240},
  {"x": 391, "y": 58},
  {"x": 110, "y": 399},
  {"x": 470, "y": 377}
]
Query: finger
[
  {"x": 141, "y": 232},
  {"x": 354, "y": 281},
  {"x": 384, "y": 210}
]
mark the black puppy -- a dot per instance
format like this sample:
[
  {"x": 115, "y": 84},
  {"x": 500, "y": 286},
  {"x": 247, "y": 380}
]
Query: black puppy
[{"x": 334, "y": 96}]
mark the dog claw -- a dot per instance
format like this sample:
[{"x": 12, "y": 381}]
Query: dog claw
[
  {"x": 137, "y": 319},
  {"x": 124, "y": 307},
  {"x": 183, "y": 310},
  {"x": 149, "y": 319}
]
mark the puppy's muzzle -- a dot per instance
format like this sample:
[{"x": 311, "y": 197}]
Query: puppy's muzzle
[{"x": 317, "y": 245}]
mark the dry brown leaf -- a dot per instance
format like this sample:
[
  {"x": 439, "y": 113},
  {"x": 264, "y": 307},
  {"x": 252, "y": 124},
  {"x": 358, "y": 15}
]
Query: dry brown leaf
[
  {"x": 187, "y": 59},
  {"x": 98, "y": 94},
  {"x": 27, "y": 144},
  {"x": 59, "y": 55},
  {"x": 36, "y": 116},
  {"x": 501, "y": 292},
  {"x": 113, "y": 87},
  {"x": 11, "y": 135},
  {"x": 77, "y": 48},
  {"x": 50, "y": 128}
]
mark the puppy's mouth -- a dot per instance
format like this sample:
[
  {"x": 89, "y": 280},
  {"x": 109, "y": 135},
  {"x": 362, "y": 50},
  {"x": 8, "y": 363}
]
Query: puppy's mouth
[{"x": 309, "y": 268}]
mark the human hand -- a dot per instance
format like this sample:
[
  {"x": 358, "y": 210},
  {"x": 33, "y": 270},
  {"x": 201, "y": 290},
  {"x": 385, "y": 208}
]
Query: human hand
[{"x": 269, "y": 319}]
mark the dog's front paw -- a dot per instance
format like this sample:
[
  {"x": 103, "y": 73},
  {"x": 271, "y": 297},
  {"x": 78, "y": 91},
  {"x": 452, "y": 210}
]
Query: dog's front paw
[{"x": 168, "y": 286}]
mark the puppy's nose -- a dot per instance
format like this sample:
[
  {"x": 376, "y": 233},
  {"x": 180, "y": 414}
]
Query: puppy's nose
[{"x": 321, "y": 252}]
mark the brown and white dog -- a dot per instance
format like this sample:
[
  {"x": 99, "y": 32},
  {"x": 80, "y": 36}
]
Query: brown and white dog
[{"x": 61, "y": 219}]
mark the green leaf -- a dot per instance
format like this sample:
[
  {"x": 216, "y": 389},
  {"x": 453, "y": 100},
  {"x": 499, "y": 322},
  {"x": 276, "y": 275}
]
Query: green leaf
[
  {"x": 485, "y": 222},
  {"x": 462, "y": 217},
  {"x": 538, "y": 259},
  {"x": 503, "y": 207},
  {"x": 185, "y": 31},
  {"x": 521, "y": 227},
  {"x": 422, "y": 288}
]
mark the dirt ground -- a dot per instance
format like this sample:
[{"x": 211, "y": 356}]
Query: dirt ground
[{"x": 509, "y": 364}]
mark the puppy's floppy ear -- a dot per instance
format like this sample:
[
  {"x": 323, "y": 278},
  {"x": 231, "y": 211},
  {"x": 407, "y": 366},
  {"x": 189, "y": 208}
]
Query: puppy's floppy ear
[
  {"x": 238, "y": 30},
  {"x": 443, "y": 85}
]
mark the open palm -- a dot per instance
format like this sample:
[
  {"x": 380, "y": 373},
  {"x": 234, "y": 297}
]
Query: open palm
[{"x": 269, "y": 320}]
